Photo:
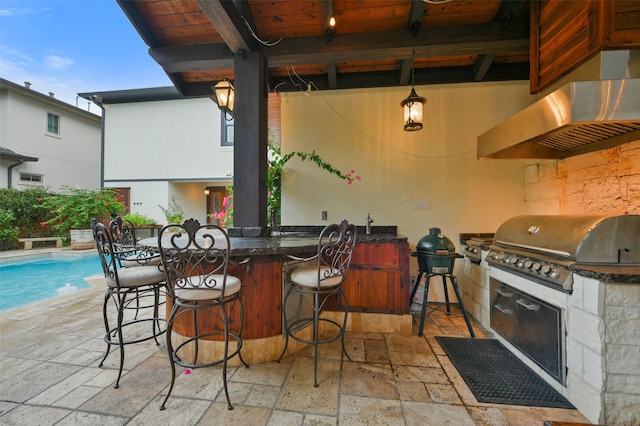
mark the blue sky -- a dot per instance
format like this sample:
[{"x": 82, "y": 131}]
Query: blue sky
[{"x": 74, "y": 46}]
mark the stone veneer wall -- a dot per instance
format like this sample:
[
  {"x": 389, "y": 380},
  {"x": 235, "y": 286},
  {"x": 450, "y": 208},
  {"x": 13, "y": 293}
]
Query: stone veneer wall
[
  {"x": 602, "y": 182},
  {"x": 603, "y": 351}
]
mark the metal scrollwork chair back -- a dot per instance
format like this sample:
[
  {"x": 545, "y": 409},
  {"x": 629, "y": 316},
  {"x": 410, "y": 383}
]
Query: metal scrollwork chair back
[{"x": 131, "y": 254}]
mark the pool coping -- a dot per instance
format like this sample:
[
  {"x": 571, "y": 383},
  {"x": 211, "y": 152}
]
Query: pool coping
[{"x": 11, "y": 255}]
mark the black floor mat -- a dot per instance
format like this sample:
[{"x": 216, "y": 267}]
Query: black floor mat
[{"x": 497, "y": 376}]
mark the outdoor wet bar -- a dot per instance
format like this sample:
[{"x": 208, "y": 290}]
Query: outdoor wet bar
[{"x": 377, "y": 286}]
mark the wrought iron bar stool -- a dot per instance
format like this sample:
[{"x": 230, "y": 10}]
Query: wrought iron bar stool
[
  {"x": 318, "y": 279},
  {"x": 124, "y": 287},
  {"x": 195, "y": 259}
]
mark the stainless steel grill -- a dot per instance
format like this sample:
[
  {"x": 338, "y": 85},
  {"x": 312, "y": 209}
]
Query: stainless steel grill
[{"x": 543, "y": 248}]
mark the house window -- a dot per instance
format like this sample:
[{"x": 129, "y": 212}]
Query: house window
[
  {"x": 30, "y": 178},
  {"x": 227, "y": 131},
  {"x": 53, "y": 123}
]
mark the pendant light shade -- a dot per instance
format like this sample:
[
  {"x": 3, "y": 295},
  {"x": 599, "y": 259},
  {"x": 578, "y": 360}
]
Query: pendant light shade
[
  {"x": 224, "y": 96},
  {"x": 413, "y": 111},
  {"x": 413, "y": 104}
]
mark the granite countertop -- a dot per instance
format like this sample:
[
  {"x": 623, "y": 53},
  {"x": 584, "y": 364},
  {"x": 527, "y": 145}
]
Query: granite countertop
[
  {"x": 609, "y": 273},
  {"x": 294, "y": 240}
]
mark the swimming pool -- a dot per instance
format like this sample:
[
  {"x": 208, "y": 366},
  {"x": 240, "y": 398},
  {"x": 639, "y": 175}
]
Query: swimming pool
[{"x": 32, "y": 279}]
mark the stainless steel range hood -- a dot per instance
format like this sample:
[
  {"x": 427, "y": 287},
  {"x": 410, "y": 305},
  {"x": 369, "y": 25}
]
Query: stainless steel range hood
[{"x": 580, "y": 117}]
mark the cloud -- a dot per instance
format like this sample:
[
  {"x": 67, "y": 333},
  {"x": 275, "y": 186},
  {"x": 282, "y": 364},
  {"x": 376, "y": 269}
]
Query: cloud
[
  {"x": 13, "y": 61},
  {"x": 57, "y": 63},
  {"x": 15, "y": 11}
]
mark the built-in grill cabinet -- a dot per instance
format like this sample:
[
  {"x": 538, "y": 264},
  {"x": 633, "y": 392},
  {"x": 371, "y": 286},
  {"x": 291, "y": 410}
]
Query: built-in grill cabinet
[{"x": 533, "y": 326}]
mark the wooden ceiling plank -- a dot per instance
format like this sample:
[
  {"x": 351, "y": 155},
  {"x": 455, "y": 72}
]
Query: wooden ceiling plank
[{"x": 139, "y": 23}]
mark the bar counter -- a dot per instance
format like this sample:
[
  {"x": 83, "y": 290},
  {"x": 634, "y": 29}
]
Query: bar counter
[{"x": 377, "y": 286}]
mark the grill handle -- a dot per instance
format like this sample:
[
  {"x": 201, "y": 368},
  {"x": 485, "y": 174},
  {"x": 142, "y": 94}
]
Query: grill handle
[
  {"x": 505, "y": 311},
  {"x": 530, "y": 306},
  {"x": 503, "y": 292}
]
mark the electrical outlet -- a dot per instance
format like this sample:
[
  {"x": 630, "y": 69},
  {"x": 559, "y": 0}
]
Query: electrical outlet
[
  {"x": 324, "y": 215},
  {"x": 422, "y": 204}
]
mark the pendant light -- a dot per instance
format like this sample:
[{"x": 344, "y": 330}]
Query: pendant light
[
  {"x": 412, "y": 106},
  {"x": 224, "y": 96}
]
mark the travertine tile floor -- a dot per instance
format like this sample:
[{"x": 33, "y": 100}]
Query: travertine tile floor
[{"x": 49, "y": 355}]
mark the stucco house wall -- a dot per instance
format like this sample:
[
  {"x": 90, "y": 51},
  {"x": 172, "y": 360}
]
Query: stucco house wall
[
  {"x": 403, "y": 171},
  {"x": 165, "y": 148},
  {"x": 70, "y": 158}
]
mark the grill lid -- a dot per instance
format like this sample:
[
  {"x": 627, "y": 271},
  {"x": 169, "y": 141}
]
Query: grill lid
[
  {"x": 435, "y": 243},
  {"x": 583, "y": 239}
]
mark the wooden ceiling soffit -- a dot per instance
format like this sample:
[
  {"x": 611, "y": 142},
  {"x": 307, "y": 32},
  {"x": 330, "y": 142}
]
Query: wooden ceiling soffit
[{"x": 475, "y": 39}]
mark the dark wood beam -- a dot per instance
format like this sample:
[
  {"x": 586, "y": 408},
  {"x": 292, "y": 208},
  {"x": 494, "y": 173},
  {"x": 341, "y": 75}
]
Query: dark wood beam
[
  {"x": 398, "y": 45},
  {"x": 423, "y": 76},
  {"x": 482, "y": 65},
  {"x": 415, "y": 16},
  {"x": 405, "y": 71},
  {"x": 199, "y": 57},
  {"x": 229, "y": 24},
  {"x": 332, "y": 76},
  {"x": 250, "y": 142}
]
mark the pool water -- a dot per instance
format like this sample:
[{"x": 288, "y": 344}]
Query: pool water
[{"x": 33, "y": 279}]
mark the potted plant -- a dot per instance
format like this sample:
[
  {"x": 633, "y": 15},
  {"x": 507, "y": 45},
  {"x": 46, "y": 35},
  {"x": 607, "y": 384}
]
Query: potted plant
[
  {"x": 73, "y": 208},
  {"x": 173, "y": 213}
]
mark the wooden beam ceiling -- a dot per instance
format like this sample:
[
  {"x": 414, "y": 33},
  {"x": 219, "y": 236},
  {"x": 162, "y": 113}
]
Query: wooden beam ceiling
[{"x": 370, "y": 48}]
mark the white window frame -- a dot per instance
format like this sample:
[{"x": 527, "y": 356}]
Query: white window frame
[
  {"x": 30, "y": 181},
  {"x": 59, "y": 119}
]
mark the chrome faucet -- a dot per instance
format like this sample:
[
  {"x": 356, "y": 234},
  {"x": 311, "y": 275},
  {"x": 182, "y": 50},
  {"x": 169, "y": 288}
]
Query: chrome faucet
[{"x": 369, "y": 222}]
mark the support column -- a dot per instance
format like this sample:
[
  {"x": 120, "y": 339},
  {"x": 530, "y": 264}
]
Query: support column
[{"x": 250, "y": 141}]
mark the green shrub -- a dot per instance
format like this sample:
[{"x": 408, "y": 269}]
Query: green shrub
[
  {"x": 73, "y": 208},
  {"x": 28, "y": 210},
  {"x": 8, "y": 231},
  {"x": 138, "y": 219}
]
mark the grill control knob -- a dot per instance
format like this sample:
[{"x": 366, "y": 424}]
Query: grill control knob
[
  {"x": 474, "y": 250},
  {"x": 528, "y": 264},
  {"x": 549, "y": 271},
  {"x": 536, "y": 267}
]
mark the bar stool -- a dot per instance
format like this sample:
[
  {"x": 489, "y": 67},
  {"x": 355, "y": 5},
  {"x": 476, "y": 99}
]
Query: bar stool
[
  {"x": 319, "y": 280},
  {"x": 127, "y": 288},
  {"x": 195, "y": 259}
]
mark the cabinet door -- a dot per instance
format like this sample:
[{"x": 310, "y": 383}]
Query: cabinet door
[
  {"x": 539, "y": 329},
  {"x": 378, "y": 279},
  {"x": 504, "y": 310}
]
